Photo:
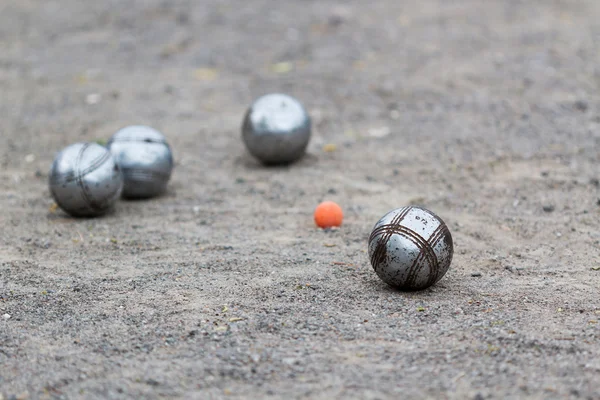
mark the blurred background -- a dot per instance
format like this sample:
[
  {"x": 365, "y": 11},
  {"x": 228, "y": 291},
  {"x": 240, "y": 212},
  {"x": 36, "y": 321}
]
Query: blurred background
[{"x": 506, "y": 72}]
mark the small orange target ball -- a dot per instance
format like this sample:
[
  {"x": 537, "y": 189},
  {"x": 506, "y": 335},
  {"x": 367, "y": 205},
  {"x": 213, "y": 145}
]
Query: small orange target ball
[{"x": 328, "y": 214}]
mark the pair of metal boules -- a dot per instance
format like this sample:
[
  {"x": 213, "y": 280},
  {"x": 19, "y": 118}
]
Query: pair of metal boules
[{"x": 86, "y": 179}]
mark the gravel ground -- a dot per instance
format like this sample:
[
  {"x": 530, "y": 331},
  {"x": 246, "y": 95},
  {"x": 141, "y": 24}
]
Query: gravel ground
[{"x": 486, "y": 112}]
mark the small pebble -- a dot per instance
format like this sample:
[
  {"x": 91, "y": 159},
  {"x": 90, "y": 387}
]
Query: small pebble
[
  {"x": 93, "y": 98},
  {"x": 581, "y": 105},
  {"x": 6, "y": 316},
  {"x": 379, "y": 132},
  {"x": 183, "y": 18},
  {"x": 329, "y": 148},
  {"x": 335, "y": 20}
]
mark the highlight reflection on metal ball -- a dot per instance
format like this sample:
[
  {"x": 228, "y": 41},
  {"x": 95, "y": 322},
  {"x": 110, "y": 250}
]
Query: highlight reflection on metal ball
[
  {"x": 276, "y": 129},
  {"x": 145, "y": 158},
  {"x": 410, "y": 248},
  {"x": 84, "y": 180}
]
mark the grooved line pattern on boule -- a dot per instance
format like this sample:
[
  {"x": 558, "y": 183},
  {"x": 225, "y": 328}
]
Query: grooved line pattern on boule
[
  {"x": 119, "y": 140},
  {"x": 437, "y": 235},
  {"x": 142, "y": 174},
  {"x": 433, "y": 240},
  {"x": 87, "y": 197},
  {"x": 434, "y": 262},
  {"x": 387, "y": 231},
  {"x": 65, "y": 178},
  {"x": 79, "y": 177},
  {"x": 425, "y": 251}
]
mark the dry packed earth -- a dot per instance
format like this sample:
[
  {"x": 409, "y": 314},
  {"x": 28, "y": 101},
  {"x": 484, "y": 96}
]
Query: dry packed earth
[{"x": 486, "y": 112}]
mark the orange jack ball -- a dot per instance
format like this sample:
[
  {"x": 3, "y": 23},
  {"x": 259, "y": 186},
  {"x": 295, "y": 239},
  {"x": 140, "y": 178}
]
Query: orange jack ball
[{"x": 328, "y": 214}]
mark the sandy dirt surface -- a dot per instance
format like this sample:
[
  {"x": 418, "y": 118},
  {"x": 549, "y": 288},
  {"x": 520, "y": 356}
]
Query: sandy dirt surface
[{"x": 486, "y": 112}]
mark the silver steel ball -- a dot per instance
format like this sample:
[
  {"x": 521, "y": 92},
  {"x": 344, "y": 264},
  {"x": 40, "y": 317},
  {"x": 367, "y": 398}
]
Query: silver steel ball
[
  {"x": 145, "y": 158},
  {"x": 410, "y": 248},
  {"x": 84, "y": 180},
  {"x": 276, "y": 129}
]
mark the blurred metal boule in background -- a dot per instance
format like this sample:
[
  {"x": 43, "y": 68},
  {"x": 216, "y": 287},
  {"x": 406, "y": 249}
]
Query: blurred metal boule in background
[
  {"x": 276, "y": 129},
  {"x": 145, "y": 158},
  {"x": 84, "y": 180}
]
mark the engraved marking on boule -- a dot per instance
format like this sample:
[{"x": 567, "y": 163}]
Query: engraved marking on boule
[
  {"x": 70, "y": 177},
  {"x": 139, "y": 174},
  {"x": 434, "y": 263},
  {"x": 438, "y": 234},
  {"x": 138, "y": 140},
  {"x": 85, "y": 195},
  {"x": 380, "y": 251},
  {"x": 388, "y": 232},
  {"x": 425, "y": 250}
]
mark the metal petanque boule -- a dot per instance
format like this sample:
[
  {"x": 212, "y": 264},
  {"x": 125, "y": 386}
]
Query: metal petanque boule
[
  {"x": 145, "y": 158},
  {"x": 410, "y": 248},
  {"x": 276, "y": 129},
  {"x": 84, "y": 180}
]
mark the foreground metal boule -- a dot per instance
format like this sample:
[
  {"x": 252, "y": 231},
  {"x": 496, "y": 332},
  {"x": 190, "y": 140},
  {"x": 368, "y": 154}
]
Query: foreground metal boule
[
  {"x": 276, "y": 129},
  {"x": 84, "y": 180},
  {"x": 145, "y": 158},
  {"x": 410, "y": 248}
]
